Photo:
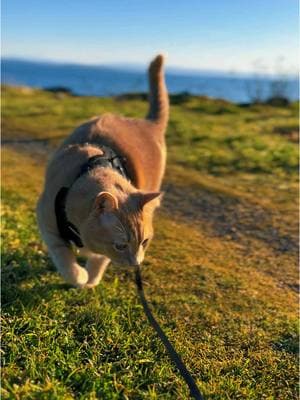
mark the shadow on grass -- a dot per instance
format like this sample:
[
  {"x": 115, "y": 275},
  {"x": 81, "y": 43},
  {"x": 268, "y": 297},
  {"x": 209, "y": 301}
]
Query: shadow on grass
[
  {"x": 26, "y": 282},
  {"x": 22, "y": 281},
  {"x": 289, "y": 342}
]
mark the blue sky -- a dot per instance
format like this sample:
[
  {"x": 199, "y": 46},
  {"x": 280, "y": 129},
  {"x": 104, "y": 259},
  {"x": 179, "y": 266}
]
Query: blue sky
[{"x": 221, "y": 35}]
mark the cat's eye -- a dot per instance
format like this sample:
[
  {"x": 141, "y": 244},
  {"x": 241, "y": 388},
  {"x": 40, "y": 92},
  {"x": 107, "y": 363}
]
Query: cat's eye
[
  {"x": 144, "y": 242},
  {"x": 120, "y": 246}
]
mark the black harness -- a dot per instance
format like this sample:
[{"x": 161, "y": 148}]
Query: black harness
[{"x": 109, "y": 158}]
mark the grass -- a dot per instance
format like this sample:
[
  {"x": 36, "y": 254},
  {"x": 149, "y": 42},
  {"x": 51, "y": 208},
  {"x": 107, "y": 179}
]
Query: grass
[{"x": 221, "y": 273}]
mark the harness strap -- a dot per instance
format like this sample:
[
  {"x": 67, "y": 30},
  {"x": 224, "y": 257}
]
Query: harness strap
[
  {"x": 108, "y": 158},
  {"x": 175, "y": 357},
  {"x": 67, "y": 230}
]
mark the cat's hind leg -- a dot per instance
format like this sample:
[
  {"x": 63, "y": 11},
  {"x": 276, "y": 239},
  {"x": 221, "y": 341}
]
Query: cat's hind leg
[{"x": 96, "y": 266}]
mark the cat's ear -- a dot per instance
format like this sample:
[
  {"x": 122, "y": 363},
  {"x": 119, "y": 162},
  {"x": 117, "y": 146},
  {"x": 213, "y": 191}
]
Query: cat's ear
[
  {"x": 147, "y": 198},
  {"x": 106, "y": 202}
]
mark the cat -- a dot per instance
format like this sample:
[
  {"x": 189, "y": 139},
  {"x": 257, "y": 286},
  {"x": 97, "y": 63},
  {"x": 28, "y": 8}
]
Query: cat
[{"x": 105, "y": 204}]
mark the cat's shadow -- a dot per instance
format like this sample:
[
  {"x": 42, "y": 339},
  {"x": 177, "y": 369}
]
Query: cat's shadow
[
  {"x": 25, "y": 287},
  {"x": 18, "y": 296}
]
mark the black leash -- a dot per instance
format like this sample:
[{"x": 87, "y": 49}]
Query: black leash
[{"x": 194, "y": 391}]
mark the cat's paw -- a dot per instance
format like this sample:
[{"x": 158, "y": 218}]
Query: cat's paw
[
  {"x": 78, "y": 276},
  {"x": 90, "y": 285},
  {"x": 93, "y": 281},
  {"x": 95, "y": 267}
]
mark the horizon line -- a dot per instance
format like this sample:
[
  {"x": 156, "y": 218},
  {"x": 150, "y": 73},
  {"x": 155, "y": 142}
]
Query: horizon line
[{"x": 140, "y": 67}]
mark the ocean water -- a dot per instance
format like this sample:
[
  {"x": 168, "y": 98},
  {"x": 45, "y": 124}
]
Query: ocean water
[{"x": 111, "y": 81}]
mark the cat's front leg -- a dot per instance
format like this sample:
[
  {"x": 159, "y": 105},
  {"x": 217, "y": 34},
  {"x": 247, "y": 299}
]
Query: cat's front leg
[
  {"x": 65, "y": 260},
  {"x": 96, "y": 266}
]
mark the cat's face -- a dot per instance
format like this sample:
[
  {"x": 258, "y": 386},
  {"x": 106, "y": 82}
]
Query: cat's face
[{"x": 121, "y": 230}]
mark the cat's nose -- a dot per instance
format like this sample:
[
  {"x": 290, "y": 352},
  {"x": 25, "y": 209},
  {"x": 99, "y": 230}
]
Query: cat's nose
[{"x": 134, "y": 261}]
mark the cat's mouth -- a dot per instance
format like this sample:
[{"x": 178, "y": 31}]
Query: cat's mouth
[
  {"x": 123, "y": 264},
  {"x": 128, "y": 261}
]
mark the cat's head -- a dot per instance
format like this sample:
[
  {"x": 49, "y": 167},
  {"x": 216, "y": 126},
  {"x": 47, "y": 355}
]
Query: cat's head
[{"x": 121, "y": 227}]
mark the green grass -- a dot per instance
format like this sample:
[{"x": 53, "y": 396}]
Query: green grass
[{"x": 221, "y": 273}]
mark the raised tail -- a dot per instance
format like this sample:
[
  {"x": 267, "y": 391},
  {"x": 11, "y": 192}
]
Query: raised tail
[{"x": 158, "y": 95}]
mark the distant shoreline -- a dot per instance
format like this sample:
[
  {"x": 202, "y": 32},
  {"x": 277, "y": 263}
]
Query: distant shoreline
[
  {"x": 103, "y": 81},
  {"x": 142, "y": 68}
]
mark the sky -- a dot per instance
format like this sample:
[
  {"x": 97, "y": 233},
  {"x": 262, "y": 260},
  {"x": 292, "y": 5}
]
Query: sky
[{"x": 218, "y": 35}]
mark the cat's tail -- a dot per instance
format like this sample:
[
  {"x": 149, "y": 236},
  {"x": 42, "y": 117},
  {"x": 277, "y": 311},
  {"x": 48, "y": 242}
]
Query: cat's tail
[{"x": 158, "y": 95}]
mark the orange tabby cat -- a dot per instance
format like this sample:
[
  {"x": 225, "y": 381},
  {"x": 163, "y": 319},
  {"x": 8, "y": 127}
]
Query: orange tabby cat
[{"x": 93, "y": 198}]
